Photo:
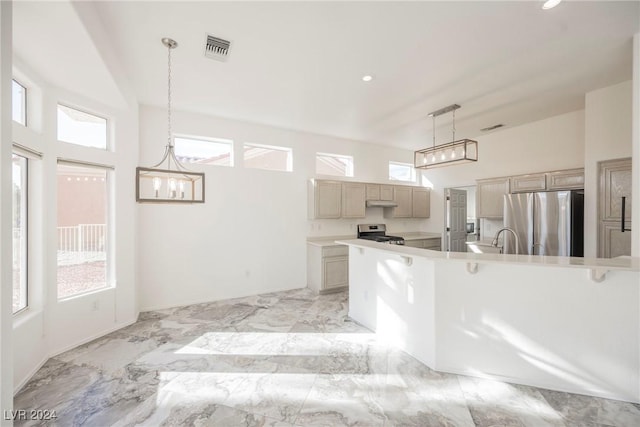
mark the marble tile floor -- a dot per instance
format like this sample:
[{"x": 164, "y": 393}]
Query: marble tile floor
[{"x": 281, "y": 359}]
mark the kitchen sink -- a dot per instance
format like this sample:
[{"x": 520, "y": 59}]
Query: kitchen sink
[{"x": 483, "y": 248}]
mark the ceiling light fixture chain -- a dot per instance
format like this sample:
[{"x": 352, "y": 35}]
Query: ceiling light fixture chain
[
  {"x": 180, "y": 184},
  {"x": 170, "y": 46},
  {"x": 453, "y": 125}
]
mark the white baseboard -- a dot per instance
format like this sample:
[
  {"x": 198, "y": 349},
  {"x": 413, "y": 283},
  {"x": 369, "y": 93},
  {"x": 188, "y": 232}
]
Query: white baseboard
[
  {"x": 30, "y": 375},
  {"x": 120, "y": 325},
  {"x": 538, "y": 384},
  {"x": 205, "y": 301}
]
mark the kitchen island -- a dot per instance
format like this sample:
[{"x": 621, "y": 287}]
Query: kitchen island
[{"x": 569, "y": 324}]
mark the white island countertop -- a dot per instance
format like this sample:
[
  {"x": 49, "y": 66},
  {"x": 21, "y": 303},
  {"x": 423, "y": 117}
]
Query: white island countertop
[
  {"x": 560, "y": 323},
  {"x": 620, "y": 263}
]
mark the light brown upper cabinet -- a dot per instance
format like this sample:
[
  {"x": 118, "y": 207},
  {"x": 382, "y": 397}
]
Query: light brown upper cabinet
[
  {"x": 529, "y": 182},
  {"x": 379, "y": 192},
  {"x": 353, "y": 199},
  {"x": 490, "y": 197},
  {"x": 572, "y": 179},
  {"x": 421, "y": 202},
  {"x": 386, "y": 192},
  {"x": 373, "y": 191},
  {"x": 403, "y": 196},
  {"x": 324, "y": 199}
]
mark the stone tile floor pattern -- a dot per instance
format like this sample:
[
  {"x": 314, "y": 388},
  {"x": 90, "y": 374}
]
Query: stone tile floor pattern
[{"x": 281, "y": 359}]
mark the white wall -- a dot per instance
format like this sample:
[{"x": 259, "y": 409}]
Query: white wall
[
  {"x": 50, "y": 326},
  {"x": 545, "y": 145},
  {"x": 608, "y": 121},
  {"x": 635, "y": 218},
  {"x": 250, "y": 235},
  {"x": 6, "y": 364}
]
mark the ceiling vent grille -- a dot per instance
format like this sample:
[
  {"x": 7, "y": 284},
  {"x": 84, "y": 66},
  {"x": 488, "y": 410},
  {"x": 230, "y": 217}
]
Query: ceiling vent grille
[{"x": 217, "y": 48}]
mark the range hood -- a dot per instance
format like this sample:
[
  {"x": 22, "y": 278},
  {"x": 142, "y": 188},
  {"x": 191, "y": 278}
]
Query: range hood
[{"x": 381, "y": 204}]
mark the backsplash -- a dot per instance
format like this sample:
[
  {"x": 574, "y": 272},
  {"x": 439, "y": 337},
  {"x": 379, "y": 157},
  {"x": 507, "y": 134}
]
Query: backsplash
[
  {"x": 489, "y": 228},
  {"x": 348, "y": 227}
]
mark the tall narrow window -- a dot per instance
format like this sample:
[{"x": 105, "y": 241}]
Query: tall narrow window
[
  {"x": 78, "y": 127},
  {"x": 268, "y": 157},
  {"x": 205, "y": 151},
  {"x": 334, "y": 164},
  {"x": 18, "y": 103},
  {"x": 83, "y": 238},
  {"x": 402, "y": 172},
  {"x": 19, "y": 172}
]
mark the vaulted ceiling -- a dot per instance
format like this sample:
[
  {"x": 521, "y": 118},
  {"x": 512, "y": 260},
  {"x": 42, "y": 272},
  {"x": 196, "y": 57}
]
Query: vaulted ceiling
[{"x": 299, "y": 65}]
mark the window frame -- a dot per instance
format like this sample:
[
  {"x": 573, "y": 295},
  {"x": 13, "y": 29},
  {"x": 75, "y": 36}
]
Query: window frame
[
  {"x": 288, "y": 150},
  {"x": 108, "y": 143},
  {"x": 110, "y": 282},
  {"x": 24, "y": 102},
  {"x": 350, "y": 170},
  {"x": 214, "y": 140},
  {"x": 25, "y": 251},
  {"x": 414, "y": 175}
]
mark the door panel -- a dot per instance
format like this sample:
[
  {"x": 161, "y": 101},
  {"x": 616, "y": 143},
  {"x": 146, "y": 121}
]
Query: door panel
[
  {"x": 615, "y": 183},
  {"x": 457, "y": 221}
]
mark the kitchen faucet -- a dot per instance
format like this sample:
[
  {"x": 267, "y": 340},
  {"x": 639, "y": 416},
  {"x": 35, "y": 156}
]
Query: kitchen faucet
[{"x": 495, "y": 239}]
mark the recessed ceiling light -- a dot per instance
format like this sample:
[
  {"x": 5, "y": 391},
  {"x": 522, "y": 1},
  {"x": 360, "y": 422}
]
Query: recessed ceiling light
[
  {"x": 367, "y": 78},
  {"x": 549, "y": 4}
]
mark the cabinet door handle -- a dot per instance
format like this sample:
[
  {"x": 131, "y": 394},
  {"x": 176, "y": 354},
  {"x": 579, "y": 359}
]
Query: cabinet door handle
[{"x": 622, "y": 225}]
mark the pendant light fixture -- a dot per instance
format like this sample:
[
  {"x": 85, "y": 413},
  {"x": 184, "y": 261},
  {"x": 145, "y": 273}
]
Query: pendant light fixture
[
  {"x": 169, "y": 181},
  {"x": 450, "y": 153}
]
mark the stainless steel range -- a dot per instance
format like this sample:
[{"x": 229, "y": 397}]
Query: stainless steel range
[{"x": 378, "y": 233}]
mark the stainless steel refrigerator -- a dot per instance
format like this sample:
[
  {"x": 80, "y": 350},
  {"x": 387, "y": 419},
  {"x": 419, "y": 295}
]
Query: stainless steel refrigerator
[{"x": 547, "y": 223}]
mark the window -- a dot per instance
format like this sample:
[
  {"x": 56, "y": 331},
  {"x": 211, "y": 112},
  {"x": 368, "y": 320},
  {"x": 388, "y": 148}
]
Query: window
[
  {"x": 268, "y": 157},
  {"x": 334, "y": 164},
  {"x": 78, "y": 127},
  {"x": 402, "y": 172},
  {"x": 19, "y": 221},
  {"x": 204, "y": 151},
  {"x": 18, "y": 103},
  {"x": 83, "y": 237}
]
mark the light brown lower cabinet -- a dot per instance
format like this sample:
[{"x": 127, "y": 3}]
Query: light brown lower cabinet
[{"x": 327, "y": 268}]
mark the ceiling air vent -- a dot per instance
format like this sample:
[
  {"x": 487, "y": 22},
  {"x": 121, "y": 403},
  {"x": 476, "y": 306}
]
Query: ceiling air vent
[
  {"x": 492, "y": 127},
  {"x": 217, "y": 48}
]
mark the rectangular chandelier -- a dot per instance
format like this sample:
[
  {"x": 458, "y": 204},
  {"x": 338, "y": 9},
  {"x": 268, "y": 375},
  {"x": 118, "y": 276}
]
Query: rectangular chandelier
[
  {"x": 450, "y": 153},
  {"x": 163, "y": 183},
  {"x": 169, "y": 186},
  {"x": 456, "y": 152}
]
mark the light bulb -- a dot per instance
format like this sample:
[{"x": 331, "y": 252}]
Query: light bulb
[
  {"x": 442, "y": 156},
  {"x": 181, "y": 185},
  {"x": 157, "y": 183},
  {"x": 433, "y": 158},
  {"x": 172, "y": 188},
  {"x": 453, "y": 153}
]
